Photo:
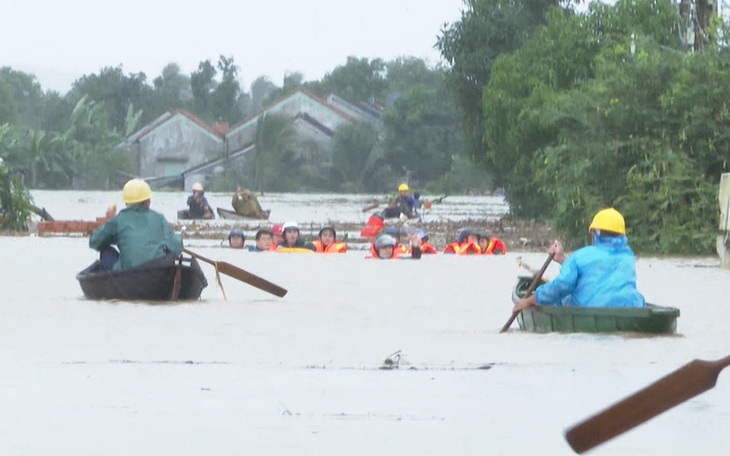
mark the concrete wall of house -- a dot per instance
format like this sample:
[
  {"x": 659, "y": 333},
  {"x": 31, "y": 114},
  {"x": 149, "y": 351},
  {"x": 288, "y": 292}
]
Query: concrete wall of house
[
  {"x": 350, "y": 109},
  {"x": 297, "y": 104},
  {"x": 176, "y": 145}
]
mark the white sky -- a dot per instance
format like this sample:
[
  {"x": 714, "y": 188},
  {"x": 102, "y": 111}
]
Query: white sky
[{"x": 60, "y": 41}]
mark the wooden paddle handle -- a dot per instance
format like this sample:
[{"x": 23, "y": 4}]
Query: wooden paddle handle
[{"x": 529, "y": 291}]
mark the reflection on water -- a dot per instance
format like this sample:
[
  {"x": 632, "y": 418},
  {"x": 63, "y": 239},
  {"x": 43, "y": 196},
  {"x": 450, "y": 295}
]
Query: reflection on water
[{"x": 189, "y": 377}]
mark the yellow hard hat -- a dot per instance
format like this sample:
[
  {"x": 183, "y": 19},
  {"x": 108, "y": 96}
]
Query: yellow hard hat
[
  {"x": 197, "y": 187},
  {"x": 609, "y": 220},
  {"x": 136, "y": 191},
  {"x": 403, "y": 188}
]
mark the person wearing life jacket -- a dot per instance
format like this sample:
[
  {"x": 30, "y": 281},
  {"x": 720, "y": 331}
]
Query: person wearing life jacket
[
  {"x": 395, "y": 234},
  {"x": 291, "y": 236},
  {"x": 491, "y": 245},
  {"x": 426, "y": 248},
  {"x": 327, "y": 242},
  {"x": 198, "y": 207},
  {"x": 236, "y": 239},
  {"x": 384, "y": 248},
  {"x": 277, "y": 235},
  {"x": 465, "y": 243}
]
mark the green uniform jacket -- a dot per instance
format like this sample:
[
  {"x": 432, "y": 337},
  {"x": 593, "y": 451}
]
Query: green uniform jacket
[{"x": 141, "y": 234}]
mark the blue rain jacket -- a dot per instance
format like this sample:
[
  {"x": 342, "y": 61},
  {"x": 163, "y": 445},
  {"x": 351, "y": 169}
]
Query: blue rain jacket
[
  {"x": 140, "y": 233},
  {"x": 599, "y": 275}
]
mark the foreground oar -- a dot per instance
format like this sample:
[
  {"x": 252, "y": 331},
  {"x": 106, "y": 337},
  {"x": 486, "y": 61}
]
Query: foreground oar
[
  {"x": 529, "y": 291},
  {"x": 685, "y": 383},
  {"x": 244, "y": 276}
]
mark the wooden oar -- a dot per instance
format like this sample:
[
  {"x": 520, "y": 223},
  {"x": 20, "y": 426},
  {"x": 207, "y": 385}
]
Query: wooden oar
[
  {"x": 244, "y": 276},
  {"x": 685, "y": 383},
  {"x": 529, "y": 291}
]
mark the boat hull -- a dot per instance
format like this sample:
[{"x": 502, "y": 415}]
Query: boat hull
[
  {"x": 231, "y": 215},
  {"x": 652, "y": 319},
  {"x": 152, "y": 281}
]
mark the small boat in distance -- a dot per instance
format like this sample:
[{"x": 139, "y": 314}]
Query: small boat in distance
[
  {"x": 652, "y": 319},
  {"x": 232, "y": 215},
  {"x": 151, "y": 281}
]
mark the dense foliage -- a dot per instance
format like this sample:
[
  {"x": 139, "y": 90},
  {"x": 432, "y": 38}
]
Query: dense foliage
[{"x": 607, "y": 108}]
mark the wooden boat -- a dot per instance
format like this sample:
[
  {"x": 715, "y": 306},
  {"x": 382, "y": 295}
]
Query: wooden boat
[
  {"x": 152, "y": 281},
  {"x": 652, "y": 319},
  {"x": 232, "y": 215},
  {"x": 184, "y": 214}
]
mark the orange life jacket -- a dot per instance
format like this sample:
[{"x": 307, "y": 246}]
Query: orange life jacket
[
  {"x": 335, "y": 247},
  {"x": 426, "y": 248},
  {"x": 397, "y": 251},
  {"x": 465, "y": 248},
  {"x": 371, "y": 229},
  {"x": 495, "y": 247}
]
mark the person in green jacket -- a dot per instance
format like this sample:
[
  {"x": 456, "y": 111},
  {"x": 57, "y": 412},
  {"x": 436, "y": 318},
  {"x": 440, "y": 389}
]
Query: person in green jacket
[{"x": 140, "y": 233}]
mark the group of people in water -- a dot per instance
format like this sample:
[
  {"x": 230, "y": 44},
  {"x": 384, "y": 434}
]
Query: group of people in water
[
  {"x": 387, "y": 244},
  {"x": 600, "y": 275}
]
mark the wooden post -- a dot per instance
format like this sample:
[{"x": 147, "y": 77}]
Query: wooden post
[{"x": 723, "y": 238}]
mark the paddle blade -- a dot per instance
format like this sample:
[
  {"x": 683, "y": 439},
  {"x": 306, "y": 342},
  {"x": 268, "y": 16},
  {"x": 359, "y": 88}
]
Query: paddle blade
[
  {"x": 683, "y": 384},
  {"x": 251, "y": 279}
]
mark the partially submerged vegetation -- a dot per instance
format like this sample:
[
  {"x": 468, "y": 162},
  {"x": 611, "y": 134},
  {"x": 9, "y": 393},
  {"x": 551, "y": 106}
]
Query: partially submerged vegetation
[{"x": 16, "y": 204}]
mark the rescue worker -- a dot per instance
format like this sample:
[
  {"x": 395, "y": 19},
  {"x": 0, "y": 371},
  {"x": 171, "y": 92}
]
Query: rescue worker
[
  {"x": 599, "y": 275},
  {"x": 198, "y": 207},
  {"x": 327, "y": 242},
  {"x": 245, "y": 203},
  {"x": 404, "y": 203},
  {"x": 140, "y": 233}
]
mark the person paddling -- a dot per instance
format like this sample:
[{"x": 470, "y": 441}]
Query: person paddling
[
  {"x": 599, "y": 275},
  {"x": 141, "y": 234}
]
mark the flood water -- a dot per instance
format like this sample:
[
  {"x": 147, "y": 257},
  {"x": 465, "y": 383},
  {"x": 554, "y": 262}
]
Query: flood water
[{"x": 256, "y": 374}]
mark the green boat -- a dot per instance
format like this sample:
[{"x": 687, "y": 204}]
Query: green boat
[{"x": 652, "y": 319}]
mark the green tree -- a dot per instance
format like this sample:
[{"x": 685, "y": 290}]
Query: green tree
[
  {"x": 27, "y": 95},
  {"x": 171, "y": 90},
  {"x": 357, "y": 80},
  {"x": 116, "y": 91},
  {"x": 421, "y": 133},
  {"x": 16, "y": 204},
  {"x": 353, "y": 148},
  {"x": 273, "y": 163},
  {"x": 486, "y": 30}
]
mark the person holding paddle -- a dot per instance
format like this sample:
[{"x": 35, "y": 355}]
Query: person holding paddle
[
  {"x": 198, "y": 207},
  {"x": 599, "y": 275},
  {"x": 141, "y": 234}
]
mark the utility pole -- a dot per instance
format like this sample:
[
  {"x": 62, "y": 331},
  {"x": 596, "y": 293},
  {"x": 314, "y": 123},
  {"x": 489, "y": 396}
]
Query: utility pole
[{"x": 696, "y": 16}]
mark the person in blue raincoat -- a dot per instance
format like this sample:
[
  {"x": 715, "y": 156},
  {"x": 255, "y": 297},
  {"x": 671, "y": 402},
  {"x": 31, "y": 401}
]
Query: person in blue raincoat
[
  {"x": 599, "y": 275},
  {"x": 141, "y": 234}
]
